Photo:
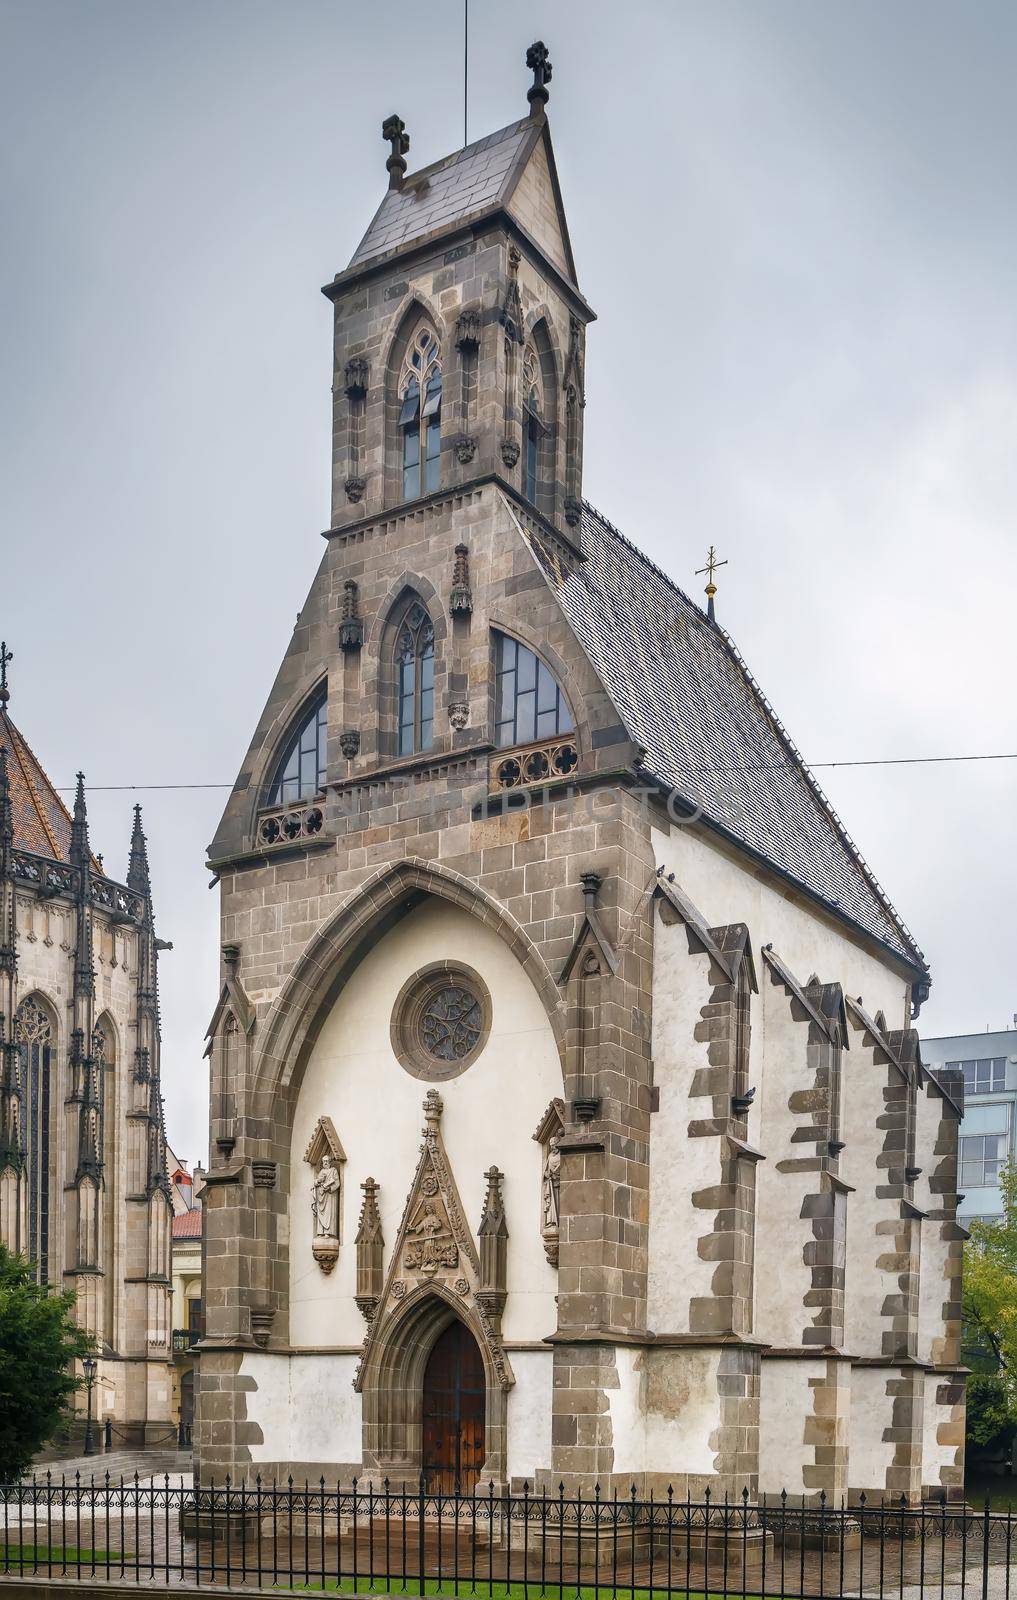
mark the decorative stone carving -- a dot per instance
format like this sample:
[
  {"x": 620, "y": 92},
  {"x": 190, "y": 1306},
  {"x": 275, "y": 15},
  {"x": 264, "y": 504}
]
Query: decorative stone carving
[
  {"x": 493, "y": 1237},
  {"x": 465, "y": 447},
  {"x": 441, "y": 1021},
  {"x": 548, "y": 1135},
  {"x": 370, "y": 1250},
  {"x": 349, "y": 743},
  {"x": 355, "y": 378},
  {"x": 325, "y": 1155},
  {"x": 510, "y": 452},
  {"x": 263, "y": 1174},
  {"x": 261, "y": 1324},
  {"x": 435, "y": 1252},
  {"x": 468, "y": 331},
  {"x": 459, "y": 715},
  {"x": 573, "y": 512},
  {"x": 511, "y": 313},
  {"x": 460, "y": 600},
  {"x": 325, "y": 1199},
  {"x": 354, "y": 486},
  {"x": 351, "y": 628}
]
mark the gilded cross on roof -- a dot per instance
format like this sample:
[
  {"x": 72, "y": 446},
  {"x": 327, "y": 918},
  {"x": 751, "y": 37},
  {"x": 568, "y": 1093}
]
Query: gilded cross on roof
[
  {"x": 5, "y": 656},
  {"x": 711, "y": 588}
]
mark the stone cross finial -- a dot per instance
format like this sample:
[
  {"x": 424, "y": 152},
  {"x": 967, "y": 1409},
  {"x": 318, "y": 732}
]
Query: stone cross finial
[
  {"x": 394, "y": 130},
  {"x": 5, "y": 656},
  {"x": 539, "y": 63}
]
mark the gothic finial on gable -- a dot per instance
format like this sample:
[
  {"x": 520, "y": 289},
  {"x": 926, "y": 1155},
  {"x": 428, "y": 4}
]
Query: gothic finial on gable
[
  {"x": 539, "y": 63},
  {"x": 394, "y": 130},
  {"x": 79, "y": 851},
  {"x": 138, "y": 877},
  {"x": 5, "y": 656}
]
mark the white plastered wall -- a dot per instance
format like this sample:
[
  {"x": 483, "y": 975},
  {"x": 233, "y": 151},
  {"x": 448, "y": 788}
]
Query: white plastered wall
[
  {"x": 786, "y": 1402},
  {"x": 529, "y": 1412},
  {"x": 665, "y": 1410},
  {"x": 781, "y": 1231},
  {"x": 871, "y": 1456},
  {"x": 491, "y": 1112},
  {"x": 305, "y": 1406}
]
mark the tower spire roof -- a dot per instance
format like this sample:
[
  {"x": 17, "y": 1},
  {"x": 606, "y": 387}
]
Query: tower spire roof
[
  {"x": 138, "y": 877},
  {"x": 512, "y": 170}
]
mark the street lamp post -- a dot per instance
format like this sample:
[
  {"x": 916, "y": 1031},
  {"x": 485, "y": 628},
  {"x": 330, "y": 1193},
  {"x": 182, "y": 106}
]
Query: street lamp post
[{"x": 90, "y": 1366}]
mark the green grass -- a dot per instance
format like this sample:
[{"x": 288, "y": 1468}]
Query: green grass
[{"x": 15, "y": 1556}]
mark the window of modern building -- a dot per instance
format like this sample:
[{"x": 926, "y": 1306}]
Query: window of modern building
[
  {"x": 300, "y": 772},
  {"x": 984, "y": 1145},
  {"x": 530, "y": 704},
  {"x": 984, "y": 1076}
]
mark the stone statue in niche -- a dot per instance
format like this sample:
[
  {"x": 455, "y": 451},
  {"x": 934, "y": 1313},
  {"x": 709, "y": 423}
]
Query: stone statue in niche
[
  {"x": 325, "y": 1156},
  {"x": 549, "y": 1136},
  {"x": 325, "y": 1199},
  {"x": 552, "y": 1189}
]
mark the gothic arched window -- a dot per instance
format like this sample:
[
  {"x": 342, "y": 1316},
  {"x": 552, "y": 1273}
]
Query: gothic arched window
[
  {"x": 420, "y": 414},
  {"x": 414, "y": 656},
  {"x": 530, "y": 704},
  {"x": 533, "y": 426},
  {"x": 33, "y": 1033},
  {"x": 300, "y": 771}
]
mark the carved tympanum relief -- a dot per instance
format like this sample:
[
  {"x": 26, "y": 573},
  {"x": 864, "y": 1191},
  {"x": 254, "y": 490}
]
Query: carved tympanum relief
[
  {"x": 435, "y": 1250},
  {"x": 325, "y": 1156}
]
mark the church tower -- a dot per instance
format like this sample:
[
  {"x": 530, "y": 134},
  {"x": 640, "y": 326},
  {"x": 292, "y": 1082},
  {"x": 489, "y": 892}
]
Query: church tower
[{"x": 505, "y": 931}]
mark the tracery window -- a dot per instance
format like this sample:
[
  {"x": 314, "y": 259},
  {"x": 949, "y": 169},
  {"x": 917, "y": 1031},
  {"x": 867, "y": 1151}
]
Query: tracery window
[
  {"x": 414, "y": 653},
  {"x": 420, "y": 414},
  {"x": 533, "y": 426},
  {"x": 33, "y": 1032},
  {"x": 529, "y": 704},
  {"x": 300, "y": 772}
]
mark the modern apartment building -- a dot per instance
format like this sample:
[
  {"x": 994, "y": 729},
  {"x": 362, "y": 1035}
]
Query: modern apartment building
[{"x": 989, "y": 1129}]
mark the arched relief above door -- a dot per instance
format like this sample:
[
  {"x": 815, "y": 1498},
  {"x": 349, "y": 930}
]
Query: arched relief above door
[{"x": 321, "y": 971}]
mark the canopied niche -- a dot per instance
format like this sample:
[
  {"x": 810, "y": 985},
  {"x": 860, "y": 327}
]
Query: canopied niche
[{"x": 326, "y": 1157}]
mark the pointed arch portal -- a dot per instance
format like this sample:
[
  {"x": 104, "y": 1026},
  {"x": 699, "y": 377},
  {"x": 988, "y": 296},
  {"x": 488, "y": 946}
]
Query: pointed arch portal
[{"x": 453, "y": 1402}]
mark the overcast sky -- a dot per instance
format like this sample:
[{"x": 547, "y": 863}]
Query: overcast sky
[{"x": 796, "y": 222}]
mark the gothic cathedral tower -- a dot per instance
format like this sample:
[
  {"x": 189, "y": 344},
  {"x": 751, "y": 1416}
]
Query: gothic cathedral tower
[{"x": 500, "y": 923}]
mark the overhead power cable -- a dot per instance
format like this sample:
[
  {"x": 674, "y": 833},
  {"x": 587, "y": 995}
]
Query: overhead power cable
[{"x": 773, "y": 766}]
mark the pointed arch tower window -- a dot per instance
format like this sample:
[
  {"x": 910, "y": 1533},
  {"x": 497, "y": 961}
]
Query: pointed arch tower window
[
  {"x": 420, "y": 414},
  {"x": 533, "y": 425},
  {"x": 33, "y": 1033},
  {"x": 300, "y": 772},
  {"x": 414, "y": 659}
]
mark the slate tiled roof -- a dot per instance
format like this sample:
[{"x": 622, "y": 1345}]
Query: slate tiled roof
[
  {"x": 685, "y": 695},
  {"x": 471, "y": 180},
  {"x": 42, "y": 823}
]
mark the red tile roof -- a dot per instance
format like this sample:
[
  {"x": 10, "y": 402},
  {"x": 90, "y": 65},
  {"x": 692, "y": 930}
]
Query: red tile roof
[
  {"x": 188, "y": 1224},
  {"x": 42, "y": 823}
]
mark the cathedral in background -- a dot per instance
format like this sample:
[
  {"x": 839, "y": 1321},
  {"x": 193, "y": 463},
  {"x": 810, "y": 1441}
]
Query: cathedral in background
[{"x": 84, "y": 1193}]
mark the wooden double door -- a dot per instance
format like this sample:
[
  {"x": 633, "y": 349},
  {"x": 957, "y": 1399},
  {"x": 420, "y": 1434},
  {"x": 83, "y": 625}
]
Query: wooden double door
[{"x": 453, "y": 1413}]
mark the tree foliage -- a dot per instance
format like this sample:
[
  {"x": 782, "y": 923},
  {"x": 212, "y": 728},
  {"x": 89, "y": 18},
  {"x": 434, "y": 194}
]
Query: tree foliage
[
  {"x": 990, "y": 1320},
  {"x": 39, "y": 1343}
]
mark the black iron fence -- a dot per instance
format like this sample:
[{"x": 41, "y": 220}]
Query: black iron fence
[{"x": 498, "y": 1546}]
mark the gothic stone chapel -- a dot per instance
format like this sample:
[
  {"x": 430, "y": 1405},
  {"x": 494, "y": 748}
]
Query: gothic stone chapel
[{"x": 567, "y": 1117}]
